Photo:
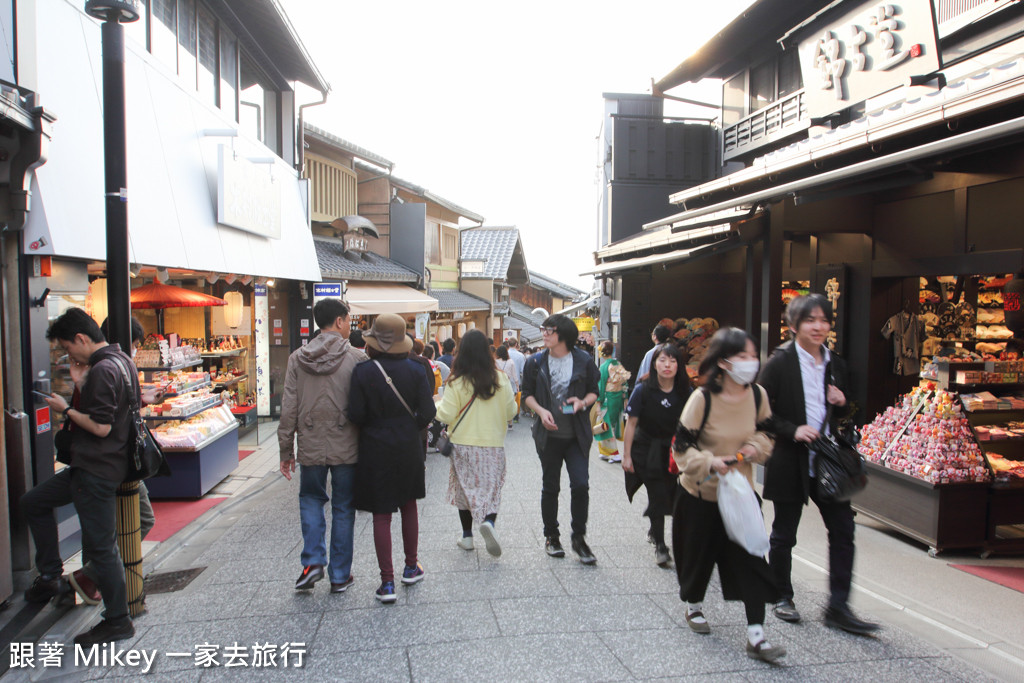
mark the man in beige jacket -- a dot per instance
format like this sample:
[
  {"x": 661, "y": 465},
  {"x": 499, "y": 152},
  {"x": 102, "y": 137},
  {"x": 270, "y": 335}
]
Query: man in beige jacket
[{"x": 313, "y": 409}]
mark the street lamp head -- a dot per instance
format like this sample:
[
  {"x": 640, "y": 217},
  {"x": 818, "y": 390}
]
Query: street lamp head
[{"x": 121, "y": 11}]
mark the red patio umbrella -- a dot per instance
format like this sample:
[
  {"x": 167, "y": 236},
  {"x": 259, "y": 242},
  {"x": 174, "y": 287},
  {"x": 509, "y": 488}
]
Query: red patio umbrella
[{"x": 159, "y": 296}]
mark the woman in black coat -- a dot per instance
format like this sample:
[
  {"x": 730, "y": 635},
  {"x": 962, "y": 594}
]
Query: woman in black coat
[{"x": 391, "y": 403}]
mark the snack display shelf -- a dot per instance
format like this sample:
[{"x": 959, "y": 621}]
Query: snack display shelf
[
  {"x": 196, "y": 470},
  {"x": 202, "y": 444},
  {"x": 187, "y": 389},
  {"x": 224, "y": 354},
  {"x": 166, "y": 418},
  {"x": 233, "y": 380},
  {"x": 172, "y": 368}
]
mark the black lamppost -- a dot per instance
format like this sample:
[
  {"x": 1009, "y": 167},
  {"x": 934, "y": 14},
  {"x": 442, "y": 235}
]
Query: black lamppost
[{"x": 113, "y": 13}]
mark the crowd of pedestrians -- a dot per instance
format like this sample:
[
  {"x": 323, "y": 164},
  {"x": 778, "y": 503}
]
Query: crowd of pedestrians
[
  {"x": 358, "y": 418},
  {"x": 677, "y": 443}
]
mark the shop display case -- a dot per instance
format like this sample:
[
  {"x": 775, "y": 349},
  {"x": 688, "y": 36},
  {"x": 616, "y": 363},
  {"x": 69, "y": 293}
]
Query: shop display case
[
  {"x": 928, "y": 479},
  {"x": 198, "y": 434},
  {"x": 947, "y": 462}
]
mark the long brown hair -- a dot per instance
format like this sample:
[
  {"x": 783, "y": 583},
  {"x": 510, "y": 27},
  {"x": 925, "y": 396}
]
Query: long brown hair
[{"x": 476, "y": 364}]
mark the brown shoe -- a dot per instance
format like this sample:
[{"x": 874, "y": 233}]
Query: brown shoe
[
  {"x": 85, "y": 587},
  {"x": 697, "y": 622},
  {"x": 765, "y": 652}
]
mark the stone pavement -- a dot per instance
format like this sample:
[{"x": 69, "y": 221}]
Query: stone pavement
[{"x": 521, "y": 617}]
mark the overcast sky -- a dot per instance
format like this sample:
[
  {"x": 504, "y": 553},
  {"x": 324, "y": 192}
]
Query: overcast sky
[{"x": 497, "y": 106}]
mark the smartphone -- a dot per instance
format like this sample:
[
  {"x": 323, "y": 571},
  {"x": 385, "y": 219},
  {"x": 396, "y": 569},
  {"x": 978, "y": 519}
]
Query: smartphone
[
  {"x": 568, "y": 408},
  {"x": 41, "y": 394}
]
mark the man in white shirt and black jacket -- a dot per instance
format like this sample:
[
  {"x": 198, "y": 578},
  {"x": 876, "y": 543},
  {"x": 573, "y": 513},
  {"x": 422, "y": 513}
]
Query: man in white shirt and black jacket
[
  {"x": 560, "y": 386},
  {"x": 803, "y": 380}
]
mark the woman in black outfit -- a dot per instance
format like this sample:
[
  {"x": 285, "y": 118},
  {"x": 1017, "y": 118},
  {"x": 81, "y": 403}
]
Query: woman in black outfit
[
  {"x": 652, "y": 416},
  {"x": 390, "y": 401}
]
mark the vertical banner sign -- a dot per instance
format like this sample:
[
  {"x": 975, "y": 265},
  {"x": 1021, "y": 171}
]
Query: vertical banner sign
[
  {"x": 262, "y": 345},
  {"x": 422, "y": 322}
]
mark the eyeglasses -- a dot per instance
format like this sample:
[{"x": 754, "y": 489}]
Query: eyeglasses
[{"x": 548, "y": 330}]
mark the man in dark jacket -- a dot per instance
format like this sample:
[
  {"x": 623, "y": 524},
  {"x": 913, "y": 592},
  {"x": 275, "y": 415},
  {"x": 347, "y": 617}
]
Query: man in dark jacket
[
  {"x": 560, "y": 386},
  {"x": 101, "y": 429},
  {"x": 804, "y": 380}
]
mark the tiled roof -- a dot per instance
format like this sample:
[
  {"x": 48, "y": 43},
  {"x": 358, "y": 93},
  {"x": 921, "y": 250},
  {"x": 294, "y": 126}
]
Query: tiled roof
[
  {"x": 335, "y": 262},
  {"x": 554, "y": 286},
  {"x": 521, "y": 318},
  {"x": 525, "y": 313},
  {"x": 457, "y": 300},
  {"x": 494, "y": 246}
]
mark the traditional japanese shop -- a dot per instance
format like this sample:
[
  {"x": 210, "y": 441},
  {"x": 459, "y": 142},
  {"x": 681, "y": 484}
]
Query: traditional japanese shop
[{"x": 902, "y": 205}]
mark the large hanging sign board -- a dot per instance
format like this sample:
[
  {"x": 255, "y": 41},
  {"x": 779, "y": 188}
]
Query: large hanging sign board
[{"x": 866, "y": 52}]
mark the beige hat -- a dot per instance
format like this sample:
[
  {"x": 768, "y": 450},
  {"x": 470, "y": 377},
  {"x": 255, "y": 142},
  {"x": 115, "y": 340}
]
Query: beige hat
[{"x": 388, "y": 334}]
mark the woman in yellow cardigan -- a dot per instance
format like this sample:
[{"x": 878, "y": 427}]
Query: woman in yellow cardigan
[{"x": 478, "y": 402}]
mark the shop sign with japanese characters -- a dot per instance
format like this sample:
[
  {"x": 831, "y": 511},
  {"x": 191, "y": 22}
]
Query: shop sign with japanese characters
[{"x": 866, "y": 52}]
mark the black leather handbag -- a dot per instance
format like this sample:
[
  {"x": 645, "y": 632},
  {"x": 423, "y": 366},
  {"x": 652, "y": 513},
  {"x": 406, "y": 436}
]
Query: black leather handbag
[
  {"x": 839, "y": 468},
  {"x": 145, "y": 459}
]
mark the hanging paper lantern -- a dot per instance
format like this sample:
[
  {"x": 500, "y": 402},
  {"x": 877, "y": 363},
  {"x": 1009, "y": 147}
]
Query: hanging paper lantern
[{"x": 233, "y": 311}]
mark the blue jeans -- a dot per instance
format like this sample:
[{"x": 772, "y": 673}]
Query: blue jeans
[{"x": 312, "y": 498}]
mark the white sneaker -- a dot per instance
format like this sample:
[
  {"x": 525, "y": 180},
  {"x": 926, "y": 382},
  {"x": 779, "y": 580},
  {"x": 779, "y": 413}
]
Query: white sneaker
[
  {"x": 487, "y": 531},
  {"x": 615, "y": 458},
  {"x": 466, "y": 543}
]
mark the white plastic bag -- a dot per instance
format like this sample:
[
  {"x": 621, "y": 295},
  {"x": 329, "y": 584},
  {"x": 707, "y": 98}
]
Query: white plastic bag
[{"x": 741, "y": 513}]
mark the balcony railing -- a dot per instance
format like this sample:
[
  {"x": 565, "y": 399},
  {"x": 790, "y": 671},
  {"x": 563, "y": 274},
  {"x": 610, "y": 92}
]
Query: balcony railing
[
  {"x": 333, "y": 188},
  {"x": 774, "y": 122}
]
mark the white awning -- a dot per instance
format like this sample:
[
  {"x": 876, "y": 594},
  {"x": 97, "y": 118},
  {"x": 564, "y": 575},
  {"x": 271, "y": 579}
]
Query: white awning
[
  {"x": 377, "y": 298},
  {"x": 172, "y": 144}
]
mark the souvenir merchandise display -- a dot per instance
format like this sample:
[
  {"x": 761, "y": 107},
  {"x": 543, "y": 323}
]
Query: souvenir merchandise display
[
  {"x": 1005, "y": 469},
  {"x": 693, "y": 336},
  {"x": 926, "y": 436},
  {"x": 195, "y": 431}
]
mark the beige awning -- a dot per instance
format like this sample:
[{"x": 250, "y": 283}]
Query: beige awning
[{"x": 374, "y": 299}]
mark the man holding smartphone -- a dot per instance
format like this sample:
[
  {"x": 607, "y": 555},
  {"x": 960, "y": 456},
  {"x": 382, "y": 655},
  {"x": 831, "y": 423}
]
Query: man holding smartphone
[{"x": 560, "y": 386}]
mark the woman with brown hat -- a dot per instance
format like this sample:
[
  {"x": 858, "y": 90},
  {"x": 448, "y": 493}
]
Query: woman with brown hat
[{"x": 391, "y": 402}]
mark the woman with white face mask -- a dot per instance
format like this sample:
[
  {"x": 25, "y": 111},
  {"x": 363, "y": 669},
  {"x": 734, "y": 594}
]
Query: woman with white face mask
[{"x": 722, "y": 426}]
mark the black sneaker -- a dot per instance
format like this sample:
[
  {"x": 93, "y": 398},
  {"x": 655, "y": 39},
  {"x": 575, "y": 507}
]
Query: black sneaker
[
  {"x": 580, "y": 547},
  {"x": 661, "y": 555},
  {"x": 343, "y": 586},
  {"x": 843, "y": 618},
  {"x": 107, "y": 631},
  {"x": 43, "y": 589},
  {"x": 787, "y": 611},
  {"x": 553, "y": 548},
  {"x": 309, "y": 576}
]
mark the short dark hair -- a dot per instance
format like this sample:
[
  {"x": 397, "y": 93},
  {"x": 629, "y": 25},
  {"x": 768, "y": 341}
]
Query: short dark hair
[
  {"x": 448, "y": 345},
  {"x": 726, "y": 343},
  {"x": 428, "y": 351},
  {"x": 138, "y": 334},
  {"x": 662, "y": 333},
  {"x": 565, "y": 328},
  {"x": 502, "y": 352},
  {"x": 327, "y": 311},
  {"x": 355, "y": 338},
  {"x": 73, "y": 322},
  {"x": 802, "y": 307}
]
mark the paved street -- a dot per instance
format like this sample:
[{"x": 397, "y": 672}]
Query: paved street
[{"x": 521, "y": 617}]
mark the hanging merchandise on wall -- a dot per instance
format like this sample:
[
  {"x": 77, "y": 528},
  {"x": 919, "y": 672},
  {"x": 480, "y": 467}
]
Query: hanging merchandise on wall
[{"x": 907, "y": 332}]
